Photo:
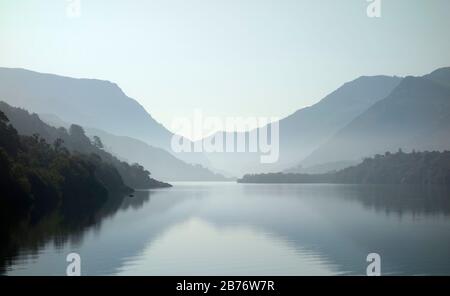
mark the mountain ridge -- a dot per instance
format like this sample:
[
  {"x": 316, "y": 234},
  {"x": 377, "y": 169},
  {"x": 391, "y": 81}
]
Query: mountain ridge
[
  {"x": 304, "y": 130},
  {"x": 417, "y": 106},
  {"x": 64, "y": 96},
  {"x": 162, "y": 164}
]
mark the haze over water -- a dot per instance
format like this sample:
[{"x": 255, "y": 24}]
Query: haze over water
[{"x": 238, "y": 229}]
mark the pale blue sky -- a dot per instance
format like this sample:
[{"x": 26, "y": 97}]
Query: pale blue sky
[{"x": 227, "y": 57}]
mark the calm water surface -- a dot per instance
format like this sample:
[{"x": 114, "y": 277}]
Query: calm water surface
[{"x": 238, "y": 229}]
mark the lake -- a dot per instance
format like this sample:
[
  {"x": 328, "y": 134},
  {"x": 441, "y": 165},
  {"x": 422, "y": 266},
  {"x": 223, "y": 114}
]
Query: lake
[{"x": 244, "y": 229}]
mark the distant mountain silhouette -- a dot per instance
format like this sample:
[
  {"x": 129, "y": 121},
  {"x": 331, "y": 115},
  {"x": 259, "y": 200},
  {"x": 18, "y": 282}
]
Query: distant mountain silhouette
[
  {"x": 416, "y": 115},
  {"x": 366, "y": 116},
  {"x": 87, "y": 102},
  {"x": 162, "y": 164},
  {"x": 305, "y": 130},
  {"x": 441, "y": 76}
]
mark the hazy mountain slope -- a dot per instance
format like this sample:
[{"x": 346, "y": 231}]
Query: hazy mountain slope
[
  {"x": 159, "y": 162},
  {"x": 438, "y": 136},
  {"x": 87, "y": 102},
  {"x": 310, "y": 127},
  {"x": 416, "y": 115},
  {"x": 305, "y": 130},
  {"x": 441, "y": 76}
]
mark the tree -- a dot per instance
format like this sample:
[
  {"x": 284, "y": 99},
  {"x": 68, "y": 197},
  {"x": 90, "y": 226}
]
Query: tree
[
  {"x": 3, "y": 118},
  {"x": 415, "y": 168},
  {"x": 97, "y": 142},
  {"x": 77, "y": 132},
  {"x": 58, "y": 144}
]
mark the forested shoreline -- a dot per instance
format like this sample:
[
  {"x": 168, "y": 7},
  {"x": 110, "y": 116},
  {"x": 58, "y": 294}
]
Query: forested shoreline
[
  {"x": 415, "y": 168},
  {"x": 72, "y": 174}
]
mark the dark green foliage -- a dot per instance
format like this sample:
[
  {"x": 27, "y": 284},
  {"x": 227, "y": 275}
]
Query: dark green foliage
[
  {"x": 37, "y": 177},
  {"x": 75, "y": 141},
  {"x": 417, "y": 168},
  {"x": 47, "y": 172},
  {"x": 70, "y": 174},
  {"x": 97, "y": 142},
  {"x": 9, "y": 139},
  {"x": 400, "y": 168}
]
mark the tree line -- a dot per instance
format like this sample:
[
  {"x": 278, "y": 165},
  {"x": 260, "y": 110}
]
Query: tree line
[
  {"x": 418, "y": 168},
  {"x": 71, "y": 173}
]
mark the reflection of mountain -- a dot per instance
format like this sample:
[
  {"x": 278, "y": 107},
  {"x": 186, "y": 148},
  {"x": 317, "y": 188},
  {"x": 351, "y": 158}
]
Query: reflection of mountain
[
  {"x": 344, "y": 223},
  {"x": 61, "y": 227},
  {"x": 416, "y": 201},
  {"x": 338, "y": 224}
]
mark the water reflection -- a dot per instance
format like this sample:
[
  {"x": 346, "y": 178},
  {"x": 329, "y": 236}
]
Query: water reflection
[
  {"x": 60, "y": 228},
  {"x": 227, "y": 228}
]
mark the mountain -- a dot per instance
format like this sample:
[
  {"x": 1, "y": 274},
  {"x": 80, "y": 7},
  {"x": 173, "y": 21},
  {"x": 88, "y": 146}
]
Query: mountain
[
  {"x": 161, "y": 164},
  {"x": 75, "y": 141},
  {"x": 45, "y": 182},
  {"x": 366, "y": 116},
  {"x": 305, "y": 130},
  {"x": 415, "y": 115},
  {"x": 87, "y": 102},
  {"x": 416, "y": 168},
  {"x": 441, "y": 76},
  {"x": 37, "y": 177}
]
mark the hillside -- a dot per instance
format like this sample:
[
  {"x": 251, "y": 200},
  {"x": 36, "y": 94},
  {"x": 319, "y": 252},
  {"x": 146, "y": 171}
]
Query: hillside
[
  {"x": 308, "y": 128},
  {"x": 86, "y": 102},
  {"x": 162, "y": 164},
  {"x": 416, "y": 115},
  {"x": 416, "y": 168},
  {"x": 37, "y": 177},
  {"x": 75, "y": 140}
]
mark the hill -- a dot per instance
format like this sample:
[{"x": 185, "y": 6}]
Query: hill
[
  {"x": 75, "y": 140},
  {"x": 415, "y": 115},
  {"x": 416, "y": 168},
  {"x": 308, "y": 128}
]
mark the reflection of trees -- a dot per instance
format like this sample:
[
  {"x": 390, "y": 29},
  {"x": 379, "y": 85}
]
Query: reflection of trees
[
  {"x": 345, "y": 236},
  {"x": 60, "y": 227},
  {"x": 398, "y": 199}
]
